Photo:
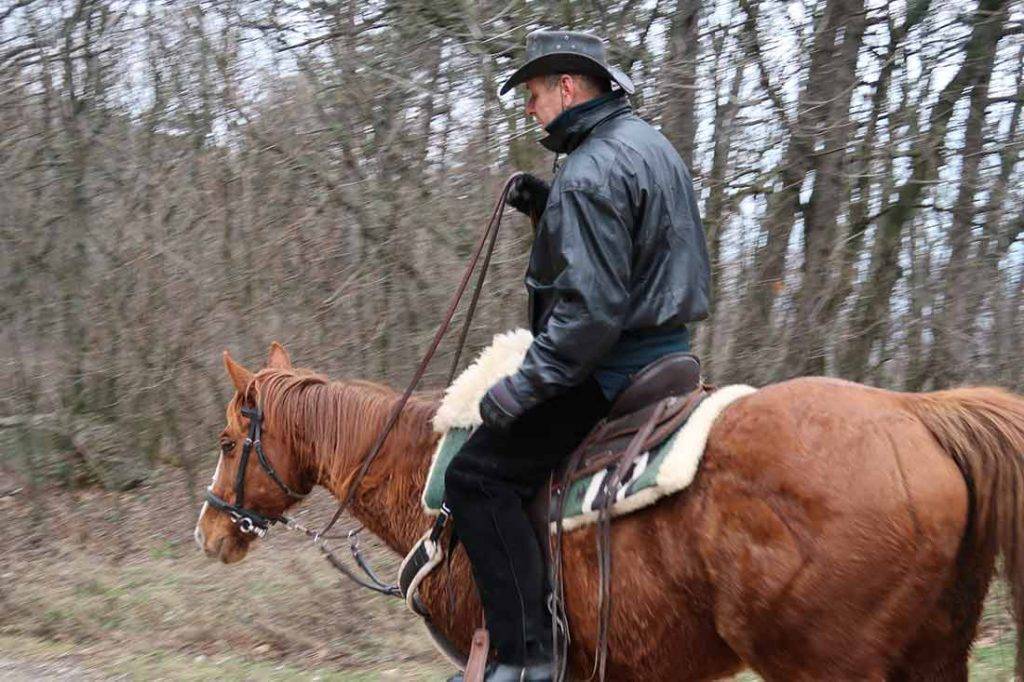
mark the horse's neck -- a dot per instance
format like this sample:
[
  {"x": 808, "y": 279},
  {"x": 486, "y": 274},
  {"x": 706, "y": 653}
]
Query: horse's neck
[{"x": 388, "y": 498}]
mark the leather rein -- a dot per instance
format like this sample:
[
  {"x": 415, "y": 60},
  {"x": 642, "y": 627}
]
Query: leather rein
[{"x": 252, "y": 522}]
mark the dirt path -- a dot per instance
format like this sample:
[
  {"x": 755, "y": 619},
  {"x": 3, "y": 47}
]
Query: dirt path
[
  {"x": 24, "y": 671},
  {"x": 116, "y": 589}
]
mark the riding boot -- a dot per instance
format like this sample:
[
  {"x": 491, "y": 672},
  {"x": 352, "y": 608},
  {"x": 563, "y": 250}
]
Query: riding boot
[{"x": 488, "y": 486}]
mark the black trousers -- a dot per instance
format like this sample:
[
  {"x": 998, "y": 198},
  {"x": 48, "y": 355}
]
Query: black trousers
[{"x": 488, "y": 486}]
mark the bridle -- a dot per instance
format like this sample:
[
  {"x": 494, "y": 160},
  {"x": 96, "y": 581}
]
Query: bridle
[
  {"x": 249, "y": 521},
  {"x": 254, "y": 523}
]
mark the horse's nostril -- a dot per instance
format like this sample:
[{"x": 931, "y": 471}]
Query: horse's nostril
[
  {"x": 213, "y": 551},
  {"x": 200, "y": 538}
]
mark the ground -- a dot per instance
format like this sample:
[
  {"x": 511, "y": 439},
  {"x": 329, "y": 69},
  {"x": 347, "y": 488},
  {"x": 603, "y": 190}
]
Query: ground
[{"x": 98, "y": 585}]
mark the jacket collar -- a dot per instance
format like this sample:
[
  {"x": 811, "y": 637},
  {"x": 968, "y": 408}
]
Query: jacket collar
[{"x": 573, "y": 125}]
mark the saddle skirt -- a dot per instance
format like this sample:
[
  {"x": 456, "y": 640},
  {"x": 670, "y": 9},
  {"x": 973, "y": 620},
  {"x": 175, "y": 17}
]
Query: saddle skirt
[{"x": 649, "y": 446}]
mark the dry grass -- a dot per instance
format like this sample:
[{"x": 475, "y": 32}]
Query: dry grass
[
  {"x": 127, "y": 578},
  {"x": 112, "y": 585}
]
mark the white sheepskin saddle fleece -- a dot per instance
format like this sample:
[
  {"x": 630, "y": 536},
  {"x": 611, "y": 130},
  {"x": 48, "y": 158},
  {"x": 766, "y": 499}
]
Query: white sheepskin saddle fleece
[
  {"x": 461, "y": 405},
  {"x": 665, "y": 470}
]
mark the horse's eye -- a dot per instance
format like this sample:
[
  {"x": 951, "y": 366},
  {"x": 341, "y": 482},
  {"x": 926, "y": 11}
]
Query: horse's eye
[{"x": 227, "y": 447}]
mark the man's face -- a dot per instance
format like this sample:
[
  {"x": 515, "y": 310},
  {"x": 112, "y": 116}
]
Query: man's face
[{"x": 545, "y": 102}]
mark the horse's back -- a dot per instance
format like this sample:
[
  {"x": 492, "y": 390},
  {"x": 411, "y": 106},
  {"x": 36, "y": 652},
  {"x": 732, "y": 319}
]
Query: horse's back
[
  {"x": 830, "y": 523},
  {"x": 834, "y": 435}
]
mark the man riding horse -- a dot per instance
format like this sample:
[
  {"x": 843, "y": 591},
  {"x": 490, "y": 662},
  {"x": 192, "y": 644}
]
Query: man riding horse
[{"x": 618, "y": 267}]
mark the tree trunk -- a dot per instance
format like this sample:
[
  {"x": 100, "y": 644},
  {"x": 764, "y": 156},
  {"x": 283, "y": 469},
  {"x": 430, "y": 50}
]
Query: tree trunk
[
  {"x": 679, "y": 81},
  {"x": 807, "y": 345},
  {"x": 750, "y": 356},
  {"x": 872, "y": 307}
]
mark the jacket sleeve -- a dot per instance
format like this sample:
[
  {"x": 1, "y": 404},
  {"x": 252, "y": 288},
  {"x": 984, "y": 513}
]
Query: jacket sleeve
[{"x": 592, "y": 243}]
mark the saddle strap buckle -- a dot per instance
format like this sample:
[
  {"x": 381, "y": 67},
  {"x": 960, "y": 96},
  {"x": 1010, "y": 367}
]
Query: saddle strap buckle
[{"x": 426, "y": 555}]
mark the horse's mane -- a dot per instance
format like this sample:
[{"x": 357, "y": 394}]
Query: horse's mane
[{"x": 331, "y": 421}]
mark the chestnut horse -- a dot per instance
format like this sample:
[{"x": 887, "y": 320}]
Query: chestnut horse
[{"x": 834, "y": 531}]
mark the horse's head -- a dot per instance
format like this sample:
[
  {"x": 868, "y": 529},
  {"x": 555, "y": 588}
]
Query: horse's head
[{"x": 258, "y": 475}]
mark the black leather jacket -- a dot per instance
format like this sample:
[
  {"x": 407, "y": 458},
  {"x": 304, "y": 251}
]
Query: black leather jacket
[{"x": 619, "y": 248}]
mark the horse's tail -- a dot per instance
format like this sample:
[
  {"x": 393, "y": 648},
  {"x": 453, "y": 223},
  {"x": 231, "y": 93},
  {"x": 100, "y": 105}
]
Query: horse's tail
[{"x": 982, "y": 429}]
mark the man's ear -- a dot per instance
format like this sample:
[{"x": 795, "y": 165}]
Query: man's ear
[
  {"x": 567, "y": 88},
  {"x": 240, "y": 376},
  {"x": 278, "y": 357}
]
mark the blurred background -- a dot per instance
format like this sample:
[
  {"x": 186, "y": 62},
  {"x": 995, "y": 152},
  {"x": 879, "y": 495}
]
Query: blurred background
[{"x": 180, "y": 177}]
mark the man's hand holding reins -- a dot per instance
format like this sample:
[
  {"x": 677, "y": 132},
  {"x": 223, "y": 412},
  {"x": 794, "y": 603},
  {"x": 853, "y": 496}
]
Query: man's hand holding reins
[{"x": 529, "y": 195}]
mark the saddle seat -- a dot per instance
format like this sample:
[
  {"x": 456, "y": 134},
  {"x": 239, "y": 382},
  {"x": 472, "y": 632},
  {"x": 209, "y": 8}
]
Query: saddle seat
[
  {"x": 655, "y": 405},
  {"x": 649, "y": 446},
  {"x": 650, "y": 410},
  {"x": 672, "y": 375}
]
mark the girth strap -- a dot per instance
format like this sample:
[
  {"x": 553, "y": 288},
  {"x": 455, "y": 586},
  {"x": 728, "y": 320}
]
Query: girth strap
[
  {"x": 425, "y": 556},
  {"x": 604, "y": 539}
]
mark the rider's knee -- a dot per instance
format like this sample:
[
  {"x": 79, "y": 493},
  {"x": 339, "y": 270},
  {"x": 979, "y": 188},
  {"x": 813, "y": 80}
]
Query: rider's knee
[{"x": 457, "y": 477}]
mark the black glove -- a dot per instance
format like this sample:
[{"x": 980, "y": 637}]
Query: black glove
[
  {"x": 529, "y": 195},
  {"x": 499, "y": 407}
]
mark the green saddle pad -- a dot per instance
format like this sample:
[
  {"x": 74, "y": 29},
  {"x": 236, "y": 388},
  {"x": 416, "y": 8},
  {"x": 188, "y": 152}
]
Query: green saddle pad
[{"x": 667, "y": 469}]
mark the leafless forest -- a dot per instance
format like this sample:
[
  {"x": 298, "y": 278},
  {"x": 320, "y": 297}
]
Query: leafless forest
[
  {"x": 184, "y": 177},
  {"x": 181, "y": 177}
]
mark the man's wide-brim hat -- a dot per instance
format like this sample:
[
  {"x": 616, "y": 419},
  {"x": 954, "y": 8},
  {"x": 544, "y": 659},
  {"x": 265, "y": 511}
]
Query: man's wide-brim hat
[{"x": 553, "y": 52}]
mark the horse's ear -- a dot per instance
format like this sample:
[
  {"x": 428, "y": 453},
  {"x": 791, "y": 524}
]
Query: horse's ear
[
  {"x": 240, "y": 376},
  {"x": 278, "y": 358}
]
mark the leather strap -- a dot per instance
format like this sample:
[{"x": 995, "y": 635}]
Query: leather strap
[
  {"x": 490, "y": 234},
  {"x": 248, "y": 520},
  {"x": 655, "y": 425},
  {"x": 480, "y": 648},
  {"x": 585, "y": 467},
  {"x": 604, "y": 539},
  {"x": 613, "y": 482}
]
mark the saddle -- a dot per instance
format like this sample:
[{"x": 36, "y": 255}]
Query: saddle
[
  {"x": 655, "y": 404},
  {"x": 658, "y": 401}
]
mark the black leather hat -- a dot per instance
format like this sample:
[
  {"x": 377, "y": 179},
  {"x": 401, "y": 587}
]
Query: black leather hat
[{"x": 551, "y": 52}]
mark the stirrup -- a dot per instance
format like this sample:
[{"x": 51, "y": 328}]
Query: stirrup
[{"x": 503, "y": 672}]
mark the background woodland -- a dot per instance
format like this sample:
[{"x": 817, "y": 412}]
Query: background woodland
[{"x": 177, "y": 178}]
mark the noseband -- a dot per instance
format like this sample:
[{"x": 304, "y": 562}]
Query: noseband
[{"x": 247, "y": 520}]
